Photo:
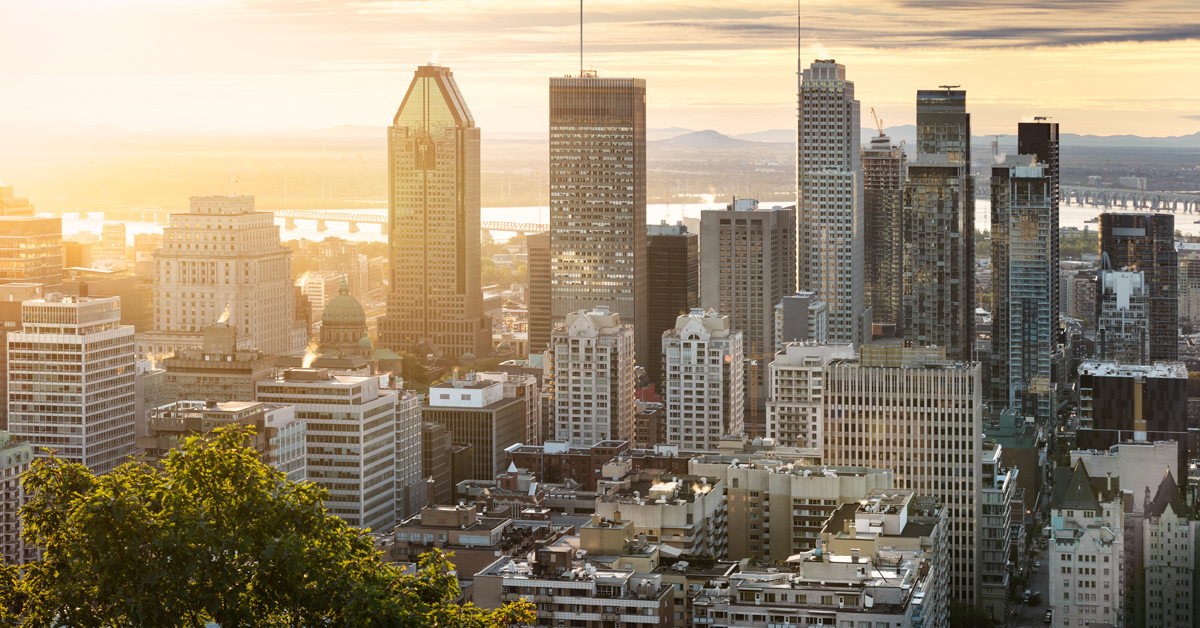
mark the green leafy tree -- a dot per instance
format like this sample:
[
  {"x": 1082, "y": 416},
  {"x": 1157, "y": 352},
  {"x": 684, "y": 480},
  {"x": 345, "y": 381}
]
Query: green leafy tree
[
  {"x": 963, "y": 615},
  {"x": 216, "y": 536}
]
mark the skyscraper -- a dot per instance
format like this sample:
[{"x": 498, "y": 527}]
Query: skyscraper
[
  {"x": 1146, "y": 243},
  {"x": 86, "y": 418},
  {"x": 1025, "y": 308},
  {"x": 829, "y": 202},
  {"x": 938, "y": 228},
  {"x": 885, "y": 167},
  {"x": 673, "y": 275},
  {"x": 598, "y": 198},
  {"x": 593, "y": 379},
  {"x": 222, "y": 260},
  {"x": 702, "y": 382},
  {"x": 537, "y": 247},
  {"x": 435, "y": 304}
]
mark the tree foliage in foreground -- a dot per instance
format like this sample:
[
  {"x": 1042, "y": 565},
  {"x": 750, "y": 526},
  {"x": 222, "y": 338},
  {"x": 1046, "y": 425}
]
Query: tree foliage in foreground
[{"x": 216, "y": 536}]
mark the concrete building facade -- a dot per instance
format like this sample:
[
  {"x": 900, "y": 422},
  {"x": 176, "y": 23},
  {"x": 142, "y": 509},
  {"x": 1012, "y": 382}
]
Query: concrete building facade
[
  {"x": 796, "y": 401},
  {"x": 801, "y": 317},
  {"x": 702, "y": 386},
  {"x": 593, "y": 369}
]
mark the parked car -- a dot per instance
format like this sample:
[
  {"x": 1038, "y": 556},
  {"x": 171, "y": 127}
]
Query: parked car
[
  {"x": 1049, "y": 617},
  {"x": 1037, "y": 564}
]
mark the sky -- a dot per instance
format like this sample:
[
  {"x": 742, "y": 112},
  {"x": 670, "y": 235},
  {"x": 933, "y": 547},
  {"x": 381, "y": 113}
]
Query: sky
[{"x": 1104, "y": 67}]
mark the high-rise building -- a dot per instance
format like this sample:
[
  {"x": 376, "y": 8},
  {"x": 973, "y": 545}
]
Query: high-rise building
[
  {"x": 222, "y": 260},
  {"x": 1189, "y": 280},
  {"x": 11, "y": 297},
  {"x": 476, "y": 411},
  {"x": 1146, "y": 243},
  {"x": 31, "y": 251},
  {"x": 217, "y": 371},
  {"x": 592, "y": 369},
  {"x": 168, "y": 425},
  {"x": 347, "y": 442},
  {"x": 1024, "y": 301},
  {"x": 830, "y": 200},
  {"x": 16, "y": 458},
  {"x": 673, "y": 273},
  {"x": 342, "y": 257},
  {"x": 522, "y": 386},
  {"x": 1122, "y": 316},
  {"x": 1121, "y": 402},
  {"x": 1040, "y": 139},
  {"x": 598, "y": 199},
  {"x": 796, "y": 401},
  {"x": 748, "y": 254},
  {"x": 411, "y": 487},
  {"x": 999, "y": 490},
  {"x": 88, "y": 419},
  {"x": 801, "y": 317},
  {"x": 435, "y": 304},
  {"x": 884, "y": 168},
  {"x": 435, "y": 463},
  {"x": 702, "y": 380},
  {"x": 913, "y": 410},
  {"x": 938, "y": 228},
  {"x": 537, "y": 247},
  {"x": 14, "y": 205}
]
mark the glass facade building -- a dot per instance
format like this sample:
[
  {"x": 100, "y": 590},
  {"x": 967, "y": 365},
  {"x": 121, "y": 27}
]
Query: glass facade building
[
  {"x": 673, "y": 272},
  {"x": 885, "y": 167},
  {"x": 1146, "y": 243},
  {"x": 1025, "y": 308},
  {"x": 435, "y": 304},
  {"x": 598, "y": 198},
  {"x": 31, "y": 251}
]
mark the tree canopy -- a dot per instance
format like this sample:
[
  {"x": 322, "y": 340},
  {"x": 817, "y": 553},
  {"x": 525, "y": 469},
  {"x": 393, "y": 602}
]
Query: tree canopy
[{"x": 216, "y": 537}]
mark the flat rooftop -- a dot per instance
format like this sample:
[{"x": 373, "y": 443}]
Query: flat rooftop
[{"x": 1112, "y": 369}]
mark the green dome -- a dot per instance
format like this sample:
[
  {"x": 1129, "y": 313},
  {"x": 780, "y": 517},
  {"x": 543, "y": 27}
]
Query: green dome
[
  {"x": 365, "y": 342},
  {"x": 343, "y": 310}
]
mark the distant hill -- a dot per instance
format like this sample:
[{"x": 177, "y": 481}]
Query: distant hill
[
  {"x": 774, "y": 135},
  {"x": 666, "y": 133},
  {"x": 704, "y": 139}
]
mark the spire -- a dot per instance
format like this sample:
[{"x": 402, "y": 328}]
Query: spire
[{"x": 343, "y": 288}]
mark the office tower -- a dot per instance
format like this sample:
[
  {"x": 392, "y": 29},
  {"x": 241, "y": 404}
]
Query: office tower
[
  {"x": 1189, "y": 280},
  {"x": 11, "y": 297},
  {"x": 476, "y": 411},
  {"x": 598, "y": 199},
  {"x": 801, "y": 317},
  {"x": 342, "y": 257},
  {"x": 796, "y": 403},
  {"x": 919, "y": 413},
  {"x": 347, "y": 445},
  {"x": 217, "y": 371},
  {"x": 13, "y": 205},
  {"x": 411, "y": 487},
  {"x": 31, "y": 250},
  {"x": 592, "y": 368},
  {"x": 1024, "y": 301},
  {"x": 16, "y": 458},
  {"x": 830, "y": 200},
  {"x": 1122, "y": 316},
  {"x": 1040, "y": 139},
  {"x": 137, "y": 296},
  {"x": 1121, "y": 402},
  {"x": 884, "y": 168},
  {"x": 521, "y": 386},
  {"x": 435, "y": 304},
  {"x": 170, "y": 424},
  {"x": 435, "y": 463},
  {"x": 1146, "y": 242},
  {"x": 1087, "y": 525},
  {"x": 748, "y": 256},
  {"x": 77, "y": 254},
  {"x": 537, "y": 247},
  {"x": 998, "y": 492},
  {"x": 702, "y": 380},
  {"x": 673, "y": 275},
  {"x": 90, "y": 419},
  {"x": 222, "y": 260}
]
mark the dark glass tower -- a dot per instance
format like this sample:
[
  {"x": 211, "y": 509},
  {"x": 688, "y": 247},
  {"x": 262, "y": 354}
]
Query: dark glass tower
[
  {"x": 885, "y": 168},
  {"x": 938, "y": 228},
  {"x": 435, "y": 304},
  {"x": 1146, "y": 242},
  {"x": 537, "y": 247},
  {"x": 673, "y": 273},
  {"x": 598, "y": 198}
]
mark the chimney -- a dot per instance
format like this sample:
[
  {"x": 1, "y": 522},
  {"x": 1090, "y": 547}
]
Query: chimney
[
  {"x": 1110, "y": 481},
  {"x": 854, "y": 555},
  {"x": 616, "y": 516},
  {"x": 853, "y": 531}
]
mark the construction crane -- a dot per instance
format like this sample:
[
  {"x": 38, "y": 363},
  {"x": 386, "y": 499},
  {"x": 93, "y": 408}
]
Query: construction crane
[
  {"x": 996, "y": 144},
  {"x": 878, "y": 122}
]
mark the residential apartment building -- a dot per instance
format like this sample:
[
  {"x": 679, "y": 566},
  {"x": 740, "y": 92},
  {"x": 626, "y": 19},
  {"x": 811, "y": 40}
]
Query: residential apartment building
[
  {"x": 801, "y": 317},
  {"x": 1146, "y": 243},
  {"x": 999, "y": 491},
  {"x": 686, "y": 513},
  {"x": 796, "y": 401},
  {"x": 476, "y": 411},
  {"x": 222, "y": 260},
  {"x": 435, "y": 304},
  {"x": 1024, "y": 295},
  {"x": 1122, "y": 315},
  {"x": 1087, "y": 540},
  {"x": 702, "y": 380},
  {"x": 71, "y": 381},
  {"x": 169, "y": 425},
  {"x": 347, "y": 441},
  {"x": 884, "y": 168},
  {"x": 829, "y": 212},
  {"x": 748, "y": 254},
  {"x": 1189, "y": 279},
  {"x": 919, "y": 413},
  {"x": 592, "y": 357},
  {"x": 1159, "y": 575},
  {"x": 16, "y": 457},
  {"x": 673, "y": 273},
  {"x": 598, "y": 199}
]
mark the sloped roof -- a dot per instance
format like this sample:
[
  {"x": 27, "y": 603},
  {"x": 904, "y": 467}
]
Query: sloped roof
[
  {"x": 1167, "y": 495},
  {"x": 1078, "y": 493}
]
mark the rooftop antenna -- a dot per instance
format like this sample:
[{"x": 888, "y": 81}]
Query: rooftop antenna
[
  {"x": 580, "y": 37},
  {"x": 949, "y": 87}
]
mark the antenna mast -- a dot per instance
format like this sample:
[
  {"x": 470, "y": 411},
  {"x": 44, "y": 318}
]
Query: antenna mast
[{"x": 580, "y": 37}]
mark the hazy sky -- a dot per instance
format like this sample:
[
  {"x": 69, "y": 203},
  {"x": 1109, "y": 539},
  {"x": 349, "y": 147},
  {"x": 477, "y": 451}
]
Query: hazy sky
[{"x": 1096, "y": 66}]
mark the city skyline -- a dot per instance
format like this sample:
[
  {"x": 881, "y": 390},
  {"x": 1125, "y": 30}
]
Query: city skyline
[{"x": 345, "y": 63}]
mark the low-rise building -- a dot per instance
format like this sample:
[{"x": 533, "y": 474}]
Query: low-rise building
[
  {"x": 169, "y": 425},
  {"x": 1087, "y": 541},
  {"x": 686, "y": 513},
  {"x": 476, "y": 411},
  {"x": 557, "y": 461}
]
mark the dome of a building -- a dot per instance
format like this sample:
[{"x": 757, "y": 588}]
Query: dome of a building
[
  {"x": 504, "y": 347},
  {"x": 365, "y": 342},
  {"x": 467, "y": 357},
  {"x": 344, "y": 310}
]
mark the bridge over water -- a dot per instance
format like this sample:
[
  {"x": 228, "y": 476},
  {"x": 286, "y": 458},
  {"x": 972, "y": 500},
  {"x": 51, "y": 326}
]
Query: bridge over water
[{"x": 1130, "y": 199}]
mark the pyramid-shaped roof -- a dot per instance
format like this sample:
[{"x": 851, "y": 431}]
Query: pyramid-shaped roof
[
  {"x": 1079, "y": 494},
  {"x": 1167, "y": 495}
]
